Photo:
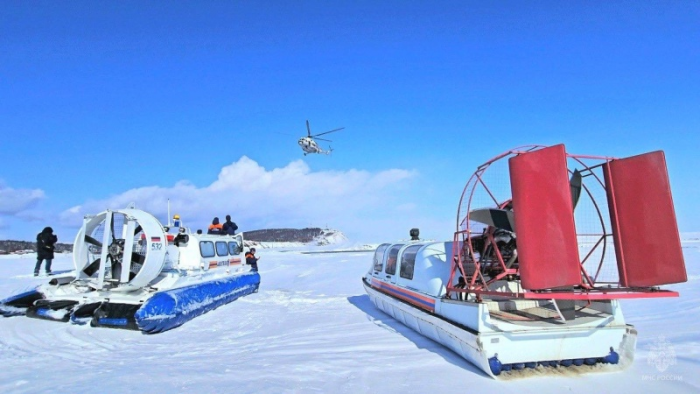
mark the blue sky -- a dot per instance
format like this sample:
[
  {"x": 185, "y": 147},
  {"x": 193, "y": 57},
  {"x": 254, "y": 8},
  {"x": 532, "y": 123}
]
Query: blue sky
[{"x": 104, "y": 103}]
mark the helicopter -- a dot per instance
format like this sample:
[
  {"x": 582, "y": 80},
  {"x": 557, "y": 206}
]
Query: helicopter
[{"x": 310, "y": 146}]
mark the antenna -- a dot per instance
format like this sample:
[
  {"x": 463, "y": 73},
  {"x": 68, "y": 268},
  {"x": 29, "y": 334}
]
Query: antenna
[{"x": 168, "y": 212}]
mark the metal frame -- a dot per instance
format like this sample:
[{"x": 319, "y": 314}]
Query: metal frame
[{"x": 481, "y": 287}]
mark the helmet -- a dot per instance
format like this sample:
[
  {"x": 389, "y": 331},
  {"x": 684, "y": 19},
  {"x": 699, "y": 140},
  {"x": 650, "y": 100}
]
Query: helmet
[{"x": 176, "y": 216}]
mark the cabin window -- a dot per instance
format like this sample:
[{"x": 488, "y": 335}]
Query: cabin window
[
  {"x": 378, "y": 255},
  {"x": 391, "y": 259},
  {"x": 221, "y": 248},
  {"x": 206, "y": 248},
  {"x": 408, "y": 261},
  {"x": 233, "y": 248}
]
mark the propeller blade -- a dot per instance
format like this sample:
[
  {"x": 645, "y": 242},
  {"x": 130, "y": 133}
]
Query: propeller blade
[
  {"x": 323, "y": 139},
  {"x": 575, "y": 185},
  {"x": 92, "y": 268},
  {"x": 137, "y": 258},
  {"x": 111, "y": 225},
  {"x": 331, "y": 131},
  {"x": 308, "y": 128},
  {"x": 499, "y": 218},
  {"x": 116, "y": 270},
  {"x": 93, "y": 241}
]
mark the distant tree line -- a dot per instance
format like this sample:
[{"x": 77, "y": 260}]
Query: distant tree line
[
  {"x": 283, "y": 235},
  {"x": 269, "y": 235},
  {"x": 13, "y": 246}
]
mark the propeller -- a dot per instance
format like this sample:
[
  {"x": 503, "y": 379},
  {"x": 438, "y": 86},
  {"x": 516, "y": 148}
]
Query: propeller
[
  {"x": 499, "y": 218},
  {"x": 575, "y": 185},
  {"x": 504, "y": 218},
  {"x": 567, "y": 308},
  {"x": 92, "y": 268},
  {"x": 111, "y": 225},
  {"x": 122, "y": 250},
  {"x": 92, "y": 241},
  {"x": 120, "y": 261}
]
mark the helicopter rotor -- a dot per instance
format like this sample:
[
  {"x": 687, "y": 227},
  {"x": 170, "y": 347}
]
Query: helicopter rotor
[
  {"x": 331, "y": 131},
  {"x": 308, "y": 129}
]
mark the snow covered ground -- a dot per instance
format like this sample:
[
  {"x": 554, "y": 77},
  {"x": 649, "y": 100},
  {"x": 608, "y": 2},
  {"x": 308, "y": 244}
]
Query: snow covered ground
[{"x": 312, "y": 329}]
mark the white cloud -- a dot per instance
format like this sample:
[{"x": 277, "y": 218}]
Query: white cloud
[
  {"x": 291, "y": 196},
  {"x": 13, "y": 201}
]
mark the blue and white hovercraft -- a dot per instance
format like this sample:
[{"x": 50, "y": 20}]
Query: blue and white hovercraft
[{"x": 132, "y": 272}]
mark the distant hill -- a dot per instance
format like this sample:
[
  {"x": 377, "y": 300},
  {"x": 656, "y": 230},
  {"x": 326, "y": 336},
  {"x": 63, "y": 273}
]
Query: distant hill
[
  {"x": 314, "y": 235},
  {"x": 304, "y": 235}
]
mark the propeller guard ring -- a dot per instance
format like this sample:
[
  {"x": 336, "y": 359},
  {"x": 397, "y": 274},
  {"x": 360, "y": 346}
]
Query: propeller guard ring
[{"x": 152, "y": 243}]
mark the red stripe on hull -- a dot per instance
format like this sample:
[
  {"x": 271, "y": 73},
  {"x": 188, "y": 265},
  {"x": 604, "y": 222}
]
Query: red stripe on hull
[{"x": 413, "y": 298}]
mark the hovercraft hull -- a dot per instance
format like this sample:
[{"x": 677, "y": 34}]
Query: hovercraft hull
[
  {"x": 500, "y": 350},
  {"x": 17, "y": 304},
  {"x": 172, "y": 308},
  {"x": 162, "y": 311}
]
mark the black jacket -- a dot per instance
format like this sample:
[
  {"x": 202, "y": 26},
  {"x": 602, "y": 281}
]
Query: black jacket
[
  {"x": 250, "y": 259},
  {"x": 45, "y": 243},
  {"x": 229, "y": 227}
]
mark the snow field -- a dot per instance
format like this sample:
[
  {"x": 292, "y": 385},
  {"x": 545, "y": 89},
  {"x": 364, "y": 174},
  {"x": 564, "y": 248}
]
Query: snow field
[{"x": 312, "y": 329}]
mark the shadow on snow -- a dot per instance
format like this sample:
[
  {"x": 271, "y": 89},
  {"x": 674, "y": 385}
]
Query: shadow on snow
[{"x": 385, "y": 321}]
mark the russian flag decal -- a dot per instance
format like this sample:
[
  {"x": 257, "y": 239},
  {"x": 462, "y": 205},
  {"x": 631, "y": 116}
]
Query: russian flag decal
[{"x": 155, "y": 239}]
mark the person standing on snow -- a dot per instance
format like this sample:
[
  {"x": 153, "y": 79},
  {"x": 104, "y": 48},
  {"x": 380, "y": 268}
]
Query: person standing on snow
[
  {"x": 251, "y": 260},
  {"x": 229, "y": 226},
  {"x": 45, "y": 244}
]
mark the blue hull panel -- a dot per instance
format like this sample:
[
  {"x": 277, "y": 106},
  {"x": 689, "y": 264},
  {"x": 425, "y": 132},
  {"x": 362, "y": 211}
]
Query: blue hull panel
[
  {"x": 171, "y": 308},
  {"x": 16, "y": 305},
  {"x": 17, "y": 297}
]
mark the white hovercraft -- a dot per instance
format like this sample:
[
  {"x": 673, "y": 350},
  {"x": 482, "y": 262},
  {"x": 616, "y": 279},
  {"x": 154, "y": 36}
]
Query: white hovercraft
[
  {"x": 132, "y": 272},
  {"x": 511, "y": 291}
]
